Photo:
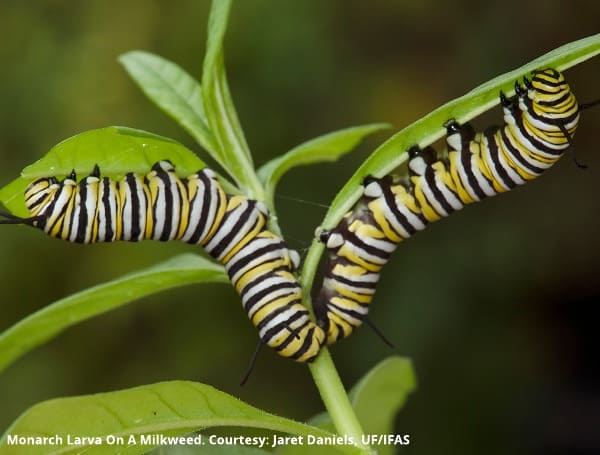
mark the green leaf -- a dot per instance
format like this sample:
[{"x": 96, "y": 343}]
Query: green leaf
[
  {"x": 173, "y": 90},
  {"x": 53, "y": 319},
  {"x": 328, "y": 147},
  {"x": 115, "y": 149},
  {"x": 428, "y": 129},
  {"x": 168, "y": 408},
  {"x": 380, "y": 394},
  {"x": 12, "y": 197},
  {"x": 232, "y": 149}
]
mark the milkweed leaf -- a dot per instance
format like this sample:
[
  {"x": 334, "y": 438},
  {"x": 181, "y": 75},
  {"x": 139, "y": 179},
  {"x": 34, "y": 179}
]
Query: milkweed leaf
[
  {"x": 380, "y": 395},
  {"x": 173, "y": 90},
  {"x": 12, "y": 196},
  {"x": 115, "y": 149},
  {"x": 231, "y": 146},
  {"x": 50, "y": 321},
  {"x": 168, "y": 408},
  {"x": 328, "y": 147}
]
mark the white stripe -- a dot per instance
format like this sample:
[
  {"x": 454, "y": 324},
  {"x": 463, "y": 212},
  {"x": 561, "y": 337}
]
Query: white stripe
[
  {"x": 357, "y": 251},
  {"x": 449, "y": 195},
  {"x": 431, "y": 198}
]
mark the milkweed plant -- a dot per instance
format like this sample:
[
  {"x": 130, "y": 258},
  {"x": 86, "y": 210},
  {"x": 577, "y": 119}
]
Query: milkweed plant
[{"x": 150, "y": 414}]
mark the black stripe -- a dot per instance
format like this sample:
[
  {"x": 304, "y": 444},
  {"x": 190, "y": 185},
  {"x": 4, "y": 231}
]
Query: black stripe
[
  {"x": 40, "y": 197},
  {"x": 533, "y": 139},
  {"x": 292, "y": 336},
  {"x": 132, "y": 183},
  {"x": 83, "y": 220},
  {"x": 550, "y": 118},
  {"x": 109, "y": 233},
  {"x": 494, "y": 154},
  {"x": 242, "y": 218},
  {"x": 390, "y": 201},
  {"x": 351, "y": 237},
  {"x": 306, "y": 344},
  {"x": 168, "y": 214},
  {"x": 555, "y": 101},
  {"x": 205, "y": 189},
  {"x": 284, "y": 284},
  {"x": 348, "y": 312},
  {"x": 267, "y": 321},
  {"x": 241, "y": 262},
  {"x": 467, "y": 164},
  {"x": 145, "y": 204},
  {"x": 340, "y": 332},
  {"x": 49, "y": 211},
  {"x": 547, "y": 82},
  {"x": 63, "y": 211},
  {"x": 516, "y": 153},
  {"x": 437, "y": 193},
  {"x": 344, "y": 279}
]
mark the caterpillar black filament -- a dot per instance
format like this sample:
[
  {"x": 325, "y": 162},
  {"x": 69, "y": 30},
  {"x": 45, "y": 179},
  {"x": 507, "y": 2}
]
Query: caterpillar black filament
[
  {"x": 162, "y": 206},
  {"x": 540, "y": 121}
]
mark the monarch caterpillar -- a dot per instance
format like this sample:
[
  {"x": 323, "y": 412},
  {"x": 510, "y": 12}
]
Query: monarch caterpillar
[
  {"x": 540, "y": 121},
  {"x": 162, "y": 206}
]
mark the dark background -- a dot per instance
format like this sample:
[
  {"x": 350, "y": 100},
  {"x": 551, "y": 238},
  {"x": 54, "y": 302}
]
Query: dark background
[{"x": 497, "y": 307}]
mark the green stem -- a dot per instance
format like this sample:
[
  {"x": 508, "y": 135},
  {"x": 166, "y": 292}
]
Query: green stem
[
  {"x": 230, "y": 140},
  {"x": 323, "y": 370},
  {"x": 336, "y": 400}
]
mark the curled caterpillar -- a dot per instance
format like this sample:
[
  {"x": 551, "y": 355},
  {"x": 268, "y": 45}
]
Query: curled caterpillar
[
  {"x": 195, "y": 209},
  {"x": 540, "y": 121}
]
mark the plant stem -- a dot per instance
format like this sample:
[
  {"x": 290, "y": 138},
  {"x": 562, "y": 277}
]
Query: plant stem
[
  {"x": 323, "y": 370},
  {"x": 335, "y": 399}
]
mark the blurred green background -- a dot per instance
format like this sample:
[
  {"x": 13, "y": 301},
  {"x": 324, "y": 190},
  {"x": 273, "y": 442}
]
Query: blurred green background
[{"x": 497, "y": 306}]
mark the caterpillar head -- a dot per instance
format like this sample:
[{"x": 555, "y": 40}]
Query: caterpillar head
[
  {"x": 549, "y": 92},
  {"x": 549, "y": 109},
  {"x": 38, "y": 192}
]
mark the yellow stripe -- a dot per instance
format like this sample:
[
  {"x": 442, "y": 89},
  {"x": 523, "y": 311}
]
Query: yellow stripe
[
  {"x": 245, "y": 240},
  {"x": 353, "y": 296},
  {"x": 184, "y": 211},
  {"x": 426, "y": 208},
  {"x": 218, "y": 220},
  {"x": 378, "y": 212},
  {"x": 254, "y": 272},
  {"x": 347, "y": 253},
  {"x": 272, "y": 306},
  {"x": 461, "y": 187}
]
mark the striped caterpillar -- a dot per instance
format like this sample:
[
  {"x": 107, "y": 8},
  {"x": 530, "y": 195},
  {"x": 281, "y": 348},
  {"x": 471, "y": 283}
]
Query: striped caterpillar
[
  {"x": 539, "y": 123},
  {"x": 196, "y": 209}
]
